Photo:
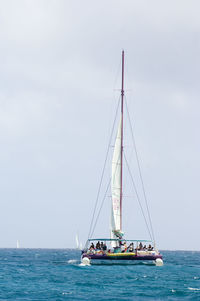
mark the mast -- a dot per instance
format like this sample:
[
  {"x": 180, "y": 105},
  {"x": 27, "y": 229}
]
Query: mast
[{"x": 122, "y": 115}]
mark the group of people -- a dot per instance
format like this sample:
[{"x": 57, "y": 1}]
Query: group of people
[
  {"x": 123, "y": 247},
  {"x": 99, "y": 246},
  {"x": 130, "y": 248},
  {"x": 144, "y": 248}
]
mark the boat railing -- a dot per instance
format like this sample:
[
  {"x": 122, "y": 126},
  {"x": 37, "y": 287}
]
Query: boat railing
[{"x": 140, "y": 247}]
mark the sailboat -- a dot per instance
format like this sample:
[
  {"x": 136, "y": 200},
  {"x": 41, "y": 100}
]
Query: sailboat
[
  {"x": 79, "y": 245},
  {"x": 116, "y": 248},
  {"x": 17, "y": 245}
]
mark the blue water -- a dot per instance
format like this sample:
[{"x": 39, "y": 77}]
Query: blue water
[{"x": 41, "y": 274}]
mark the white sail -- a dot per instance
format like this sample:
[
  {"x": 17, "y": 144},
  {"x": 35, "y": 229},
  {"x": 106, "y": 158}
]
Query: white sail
[
  {"x": 77, "y": 241},
  {"x": 79, "y": 245},
  {"x": 17, "y": 244},
  {"x": 116, "y": 185}
]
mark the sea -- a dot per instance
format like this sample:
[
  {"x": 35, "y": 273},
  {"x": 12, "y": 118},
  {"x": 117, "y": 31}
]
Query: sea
[{"x": 57, "y": 274}]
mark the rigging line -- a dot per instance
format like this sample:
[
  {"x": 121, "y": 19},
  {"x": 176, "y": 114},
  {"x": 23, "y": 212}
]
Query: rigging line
[
  {"x": 137, "y": 196},
  {"x": 101, "y": 206},
  {"x": 102, "y": 174},
  {"x": 140, "y": 172}
]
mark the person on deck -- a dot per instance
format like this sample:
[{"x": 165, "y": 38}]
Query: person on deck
[
  {"x": 101, "y": 246},
  {"x": 140, "y": 246},
  {"x": 131, "y": 247},
  {"x": 98, "y": 247},
  {"x": 124, "y": 247},
  {"x": 92, "y": 246},
  {"x": 104, "y": 247}
]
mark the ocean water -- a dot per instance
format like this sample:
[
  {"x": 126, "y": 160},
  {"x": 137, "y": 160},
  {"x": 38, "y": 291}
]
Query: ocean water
[{"x": 44, "y": 274}]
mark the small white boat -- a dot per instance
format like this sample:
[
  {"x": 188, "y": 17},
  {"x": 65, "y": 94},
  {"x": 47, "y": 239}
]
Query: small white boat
[{"x": 79, "y": 245}]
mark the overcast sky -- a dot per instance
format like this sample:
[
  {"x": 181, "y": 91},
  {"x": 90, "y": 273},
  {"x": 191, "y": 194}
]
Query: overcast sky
[{"x": 60, "y": 68}]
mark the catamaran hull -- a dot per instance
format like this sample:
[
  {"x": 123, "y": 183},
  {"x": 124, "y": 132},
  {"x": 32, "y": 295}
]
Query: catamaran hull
[
  {"x": 103, "y": 258},
  {"x": 122, "y": 262}
]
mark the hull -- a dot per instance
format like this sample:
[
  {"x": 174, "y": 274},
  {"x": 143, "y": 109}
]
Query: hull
[{"x": 121, "y": 257}]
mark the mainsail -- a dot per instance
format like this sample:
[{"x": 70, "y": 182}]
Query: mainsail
[
  {"x": 116, "y": 186},
  {"x": 116, "y": 182}
]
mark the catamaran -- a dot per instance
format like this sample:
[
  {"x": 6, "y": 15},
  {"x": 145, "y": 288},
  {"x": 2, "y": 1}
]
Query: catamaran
[{"x": 116, "y": 248}]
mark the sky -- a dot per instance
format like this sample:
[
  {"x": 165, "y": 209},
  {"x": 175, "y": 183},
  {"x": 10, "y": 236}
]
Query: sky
[{"x": 59, "y": 89}]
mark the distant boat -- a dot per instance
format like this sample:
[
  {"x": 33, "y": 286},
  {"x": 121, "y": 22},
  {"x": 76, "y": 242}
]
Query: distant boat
[
  {"x": 117, "y": 248},
  {"x": 17, "y": 246},
  {"x": 79, "y": 245}
]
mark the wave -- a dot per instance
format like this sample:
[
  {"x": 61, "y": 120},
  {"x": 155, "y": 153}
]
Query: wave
[{"x": 72, "y": 261}]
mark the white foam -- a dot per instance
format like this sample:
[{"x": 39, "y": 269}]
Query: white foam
[
  {"x": 83, "y": 265},
  {"x": 173, "y": 291},
  {"x": 67, "y": 293},
  {"x": 194, "y": 289},
  {"x": 72, "y": 261}
]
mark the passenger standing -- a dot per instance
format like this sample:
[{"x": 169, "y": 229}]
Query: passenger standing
[{"x": 98, "y": 245}]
